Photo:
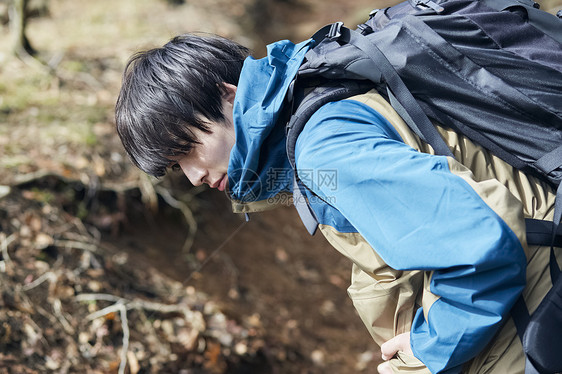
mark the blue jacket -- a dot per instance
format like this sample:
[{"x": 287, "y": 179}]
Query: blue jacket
[{"x": 413, "y": 211}]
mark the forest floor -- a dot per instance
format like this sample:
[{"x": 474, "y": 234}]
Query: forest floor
[{"x": 104, "y": 270}]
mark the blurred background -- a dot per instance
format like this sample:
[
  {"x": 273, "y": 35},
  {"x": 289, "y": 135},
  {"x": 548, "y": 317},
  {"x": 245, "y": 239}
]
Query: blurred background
[{"x": 105, "y": 270}]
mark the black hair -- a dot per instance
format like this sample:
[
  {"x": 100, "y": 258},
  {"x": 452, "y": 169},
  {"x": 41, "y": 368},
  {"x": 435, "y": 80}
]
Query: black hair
[{"x": 168, "y": 91}]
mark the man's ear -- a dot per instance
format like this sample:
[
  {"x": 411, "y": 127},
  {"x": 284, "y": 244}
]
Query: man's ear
[{"x": 228, "y": 92}]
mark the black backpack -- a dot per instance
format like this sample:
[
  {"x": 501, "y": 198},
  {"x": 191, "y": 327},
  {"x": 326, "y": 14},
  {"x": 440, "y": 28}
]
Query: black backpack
[{"x": 490, "y": 69}]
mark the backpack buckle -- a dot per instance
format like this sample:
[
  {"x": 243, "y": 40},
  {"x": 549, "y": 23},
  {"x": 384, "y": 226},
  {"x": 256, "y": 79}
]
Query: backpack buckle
[
  {"x": 373, "y": 12},
  {"x": 365, "y": 29},
  {"x": 429, "y": 4},
  {"x": 335, "y": 31}
]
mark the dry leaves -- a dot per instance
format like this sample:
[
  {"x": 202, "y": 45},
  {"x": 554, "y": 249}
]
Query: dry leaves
[{"x": 69, "y": 305}]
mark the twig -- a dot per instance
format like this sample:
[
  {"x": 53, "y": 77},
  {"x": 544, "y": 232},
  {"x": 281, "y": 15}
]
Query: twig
[
  {"x": 36, "y": 327},
  {"x": 193, "y": 192},
  {"x": 187, "y": 213},
  {"x": 158, "y": 307},
  {"x": 120, "y": 187},
  {"x": 105, "y": 311},
  {"x": 46, "y": 314},
  {"x": 98, "y": 296},
  {"x": 76, "y": 245},
  {"x": 46, "y": 276},
  {"x": 63, "y": 229},
  {"x": 148, "y": 193},
  {"x": 22, "y": 302},
  {"x": 125, "y": 328},
  {"x": 74, "y": 236},
  {"x": 84, "y": 230},
  {"x": 29, "y": 305},
  {"x": 4, "y": 243},
  {"x": 58, "y": 313},
  {"x": 130, "y": 305},
  {"x": 122, "y": 305}
]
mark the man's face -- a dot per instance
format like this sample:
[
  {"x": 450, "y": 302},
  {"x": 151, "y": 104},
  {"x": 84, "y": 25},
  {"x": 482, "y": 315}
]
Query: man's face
[{"x": 207, "y": 162}]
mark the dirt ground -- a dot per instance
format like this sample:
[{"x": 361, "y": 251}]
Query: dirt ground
[
  {"x": 247, "y": 297},
  {"x": 81, "y": 236},
  {"x": 102, "y": 266},
  {"x": 271, "y": 268}
]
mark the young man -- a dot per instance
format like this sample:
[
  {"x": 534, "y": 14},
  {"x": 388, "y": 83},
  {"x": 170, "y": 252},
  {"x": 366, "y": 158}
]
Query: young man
[{"x": 438, "y": 245}]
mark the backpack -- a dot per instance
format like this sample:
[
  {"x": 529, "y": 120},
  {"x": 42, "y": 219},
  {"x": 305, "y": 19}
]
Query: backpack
[{"x": 489, "y": 69}]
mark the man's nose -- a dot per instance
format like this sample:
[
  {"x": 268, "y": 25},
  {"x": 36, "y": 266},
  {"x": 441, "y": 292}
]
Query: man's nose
[{"x": 195, "y": 175}]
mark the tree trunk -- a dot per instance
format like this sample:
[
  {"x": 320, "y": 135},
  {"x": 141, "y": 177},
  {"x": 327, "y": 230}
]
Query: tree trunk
[{"x": 17, "y": 16}]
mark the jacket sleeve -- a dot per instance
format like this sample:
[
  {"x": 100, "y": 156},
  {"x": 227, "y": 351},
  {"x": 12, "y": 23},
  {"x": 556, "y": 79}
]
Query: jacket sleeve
[{"x": 419, "y": 215}]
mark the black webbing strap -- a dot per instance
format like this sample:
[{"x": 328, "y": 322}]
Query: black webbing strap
[
  {"x": 554, "y": 268},
  {"x": 557, "y": 213},
  {"x": 313, "y": 101},
  {"x": 407, "y": 105},
  {"x": 550, "y": 161},
  {"x": 521, "y": 317},
  {"x": 326, "y": 31},
  {"x": 539, "y": 232},
  {"x": 547, "y": 164},
  {"x": 543, "y": 233}
]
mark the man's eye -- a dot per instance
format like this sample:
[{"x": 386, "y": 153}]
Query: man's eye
[{"x": 176, "y": 167}]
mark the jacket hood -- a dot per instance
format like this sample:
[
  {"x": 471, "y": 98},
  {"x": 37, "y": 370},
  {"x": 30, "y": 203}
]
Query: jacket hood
[{"x": 259, "y": 172}]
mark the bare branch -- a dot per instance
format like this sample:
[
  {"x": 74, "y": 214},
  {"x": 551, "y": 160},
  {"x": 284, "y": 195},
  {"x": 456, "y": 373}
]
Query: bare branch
[
  {"x": 134, "y": 304},
  {"x": 148, "y": 194},
  {"x": 57, "y": 308},
  {"x": 187, "y": 213},
  {"x": 105, "y": 311},
  {"x": 4, "y": 243},
  {"x": 76, "y": 245},
  {"x": 99, "y": 296},
  {"x": 125, "y": 328},
  {"x": 47, "y": 276},
  {"x": 120, "y": 307}
]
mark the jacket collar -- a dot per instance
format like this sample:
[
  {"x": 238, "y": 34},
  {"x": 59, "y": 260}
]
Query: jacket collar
[{"x": 259, "y": 173}]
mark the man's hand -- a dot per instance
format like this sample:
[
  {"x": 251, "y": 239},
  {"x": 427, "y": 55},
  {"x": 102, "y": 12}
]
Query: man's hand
[{"x": 390, "y": 348}]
